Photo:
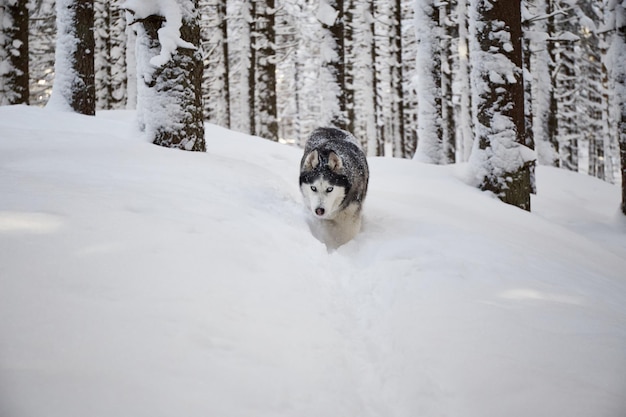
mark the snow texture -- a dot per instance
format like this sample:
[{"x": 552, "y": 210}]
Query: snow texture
[
  {"x": 137, "y": 280},
  {"x": 326, "y": 13}
]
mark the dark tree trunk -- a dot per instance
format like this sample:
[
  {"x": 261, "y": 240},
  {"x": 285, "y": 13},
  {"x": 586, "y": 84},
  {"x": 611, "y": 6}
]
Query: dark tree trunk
[
  {"x": 529, "y": 139},
  {"x": 265, "y": 85},
  {"x": 252, "y": 70},
  {"x": 552, "y": 126},
  {"x": 449, "y": 31},
  {"x": 505, "y": 98},
  {"x": 397, "y": 79},
  {"x": 15, "y": 81},
  {"x": 221, "y": 9},
  {"x": 83, "y": 98},
  {"x": 175, "y": 86},
  {"x": 74, "y": 81},
  {"x": 620, "y": 80},
  {"x": 349, "y": 67},
  {"x": 336, "y": 67}
]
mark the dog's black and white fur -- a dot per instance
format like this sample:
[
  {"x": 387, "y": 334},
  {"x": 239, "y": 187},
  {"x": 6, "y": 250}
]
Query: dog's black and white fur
[{"x": 333, "y": 180}]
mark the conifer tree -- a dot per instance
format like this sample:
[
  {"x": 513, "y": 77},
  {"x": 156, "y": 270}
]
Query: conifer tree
[
  {"x": 74, "y": 78},
  {"x": 169, "y": 71},
  {"x": 14, "y": 82},
  {"x": 499, "y": 157}
]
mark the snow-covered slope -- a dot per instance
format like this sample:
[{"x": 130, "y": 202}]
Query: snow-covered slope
[{"x": 142, "y": 281}]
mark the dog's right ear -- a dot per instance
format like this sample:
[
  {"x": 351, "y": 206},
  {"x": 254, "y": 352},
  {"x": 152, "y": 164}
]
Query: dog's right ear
[{"x": 312, "y": 160}]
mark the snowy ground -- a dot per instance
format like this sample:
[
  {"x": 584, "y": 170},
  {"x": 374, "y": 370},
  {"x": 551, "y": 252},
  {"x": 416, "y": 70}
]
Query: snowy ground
[{"x": 141, "y": 281}]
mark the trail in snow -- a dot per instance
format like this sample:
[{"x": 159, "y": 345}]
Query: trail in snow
[{"x": 142, "y": 281}]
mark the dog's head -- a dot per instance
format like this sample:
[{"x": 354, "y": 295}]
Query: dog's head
[{"x": 323, "y": 184}]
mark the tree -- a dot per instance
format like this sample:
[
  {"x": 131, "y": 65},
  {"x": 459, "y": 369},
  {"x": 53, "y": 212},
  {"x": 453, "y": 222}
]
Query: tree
[
  {"x": 618, "y": 70},
  {"x": 331, "y": 15},
  {"x": 397, "y": 80},
  {"x": 169, "y": 71},
  {"x": 499, "y": 157},
  {"x": 216, "y": 85},
  {"x": 42, "y": 38},
  {"x": 429, "y": 119},
  {"x": 540, "y": 30},
  {"x": 14, "y": 82},
  {"x": 110, "y": 56},
  {"x": 464, "y": 124},
  {"x": 264, "y": 92},
  {"x": 74, "y": 79}
]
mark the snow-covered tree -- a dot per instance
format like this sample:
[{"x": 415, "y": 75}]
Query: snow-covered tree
[
  {"x": 539, "y": 31},
  {"x": 264, "y": 45},
  {"x": 464, "y": 120},
  {"x": 14, "y": 81},
  {"x": 449, "y": 32},
  {"x": 331, "y": 15},
  {"x": 409, "y": 63},
  {"x": 110, "y": 56},
  {"x": 169, "y": 71},
  {"x": 618, "y": 74},
  {"x": 74, "y": 80},
  {"x": 429, "y": 99},
  {"x": 499, "y": 158},
  {"x": 397, "y": 80},
  {"x": 42, "y": 37},
  {"x": 215, "y": 45}
]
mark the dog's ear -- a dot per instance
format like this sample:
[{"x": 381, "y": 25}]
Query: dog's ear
[
  {"x": 334, "y": 162},
  {"x": 312, "y": 160}
]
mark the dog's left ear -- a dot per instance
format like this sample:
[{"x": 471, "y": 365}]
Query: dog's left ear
[
  {"x": 311, "y": 161},
  {"x": 334, "y": 162}
]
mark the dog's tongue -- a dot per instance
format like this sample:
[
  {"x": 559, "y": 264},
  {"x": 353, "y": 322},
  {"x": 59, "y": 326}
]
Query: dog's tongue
[{"x": 319, "y": 211}]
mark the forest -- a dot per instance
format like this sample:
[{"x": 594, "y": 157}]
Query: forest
[{"x": 504, "y": 85}]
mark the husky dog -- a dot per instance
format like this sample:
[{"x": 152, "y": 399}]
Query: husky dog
[{"x": 333, "y": 181}]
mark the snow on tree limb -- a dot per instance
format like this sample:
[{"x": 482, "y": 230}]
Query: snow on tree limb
[{"x": 169, "y": 33}]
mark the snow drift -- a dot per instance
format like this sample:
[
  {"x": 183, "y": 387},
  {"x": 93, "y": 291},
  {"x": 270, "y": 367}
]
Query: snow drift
[{"x": 142, "y": 281}]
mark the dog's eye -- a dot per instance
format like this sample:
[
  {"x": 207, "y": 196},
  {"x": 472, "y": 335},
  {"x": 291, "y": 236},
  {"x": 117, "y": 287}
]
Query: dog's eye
[
  {"x": 329, "y": 189},
  {"x": 314, "y": 188}
]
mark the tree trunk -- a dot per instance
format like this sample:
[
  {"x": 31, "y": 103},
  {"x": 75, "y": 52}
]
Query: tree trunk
[
  {"x": 619, "y": 76},
  {"x": 252, "y": 70},
  {"x": 397, "y": 81},
  {"x": 221, "y": 10},
  {"x": 14, "y": 84},
  {"x": 430, "y": 123},
  {"x": 529, "y": 139},
  {"x": 335, "y": 63},
  {"x": 74, "y": 82},
  {"x": 265, "y": 85},
  {"x": 448, "y": 136},
  {"x": 170, "y": 100},
  {"x": 499, "y": 157}
]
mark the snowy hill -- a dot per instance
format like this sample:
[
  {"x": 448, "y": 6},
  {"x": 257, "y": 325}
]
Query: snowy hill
[{"x": 142, "y": 281}]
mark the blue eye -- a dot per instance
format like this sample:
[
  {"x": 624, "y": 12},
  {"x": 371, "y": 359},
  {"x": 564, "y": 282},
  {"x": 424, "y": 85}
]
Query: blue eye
[
  {"x": 314, "y": 188},
  {"x": 329, "y": 189}
]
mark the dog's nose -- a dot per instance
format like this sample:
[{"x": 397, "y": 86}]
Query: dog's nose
[{"x": 319, "y": 211}]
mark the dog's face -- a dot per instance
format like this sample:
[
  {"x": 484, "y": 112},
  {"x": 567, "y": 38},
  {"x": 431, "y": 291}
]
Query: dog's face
[{"x": 321, "y": 185}]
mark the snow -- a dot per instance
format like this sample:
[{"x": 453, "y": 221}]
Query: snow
[
  {"x": 169, "y": 33},
  {"x": 326, "y": 13},
  {"x": 137, "y": 280}
]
